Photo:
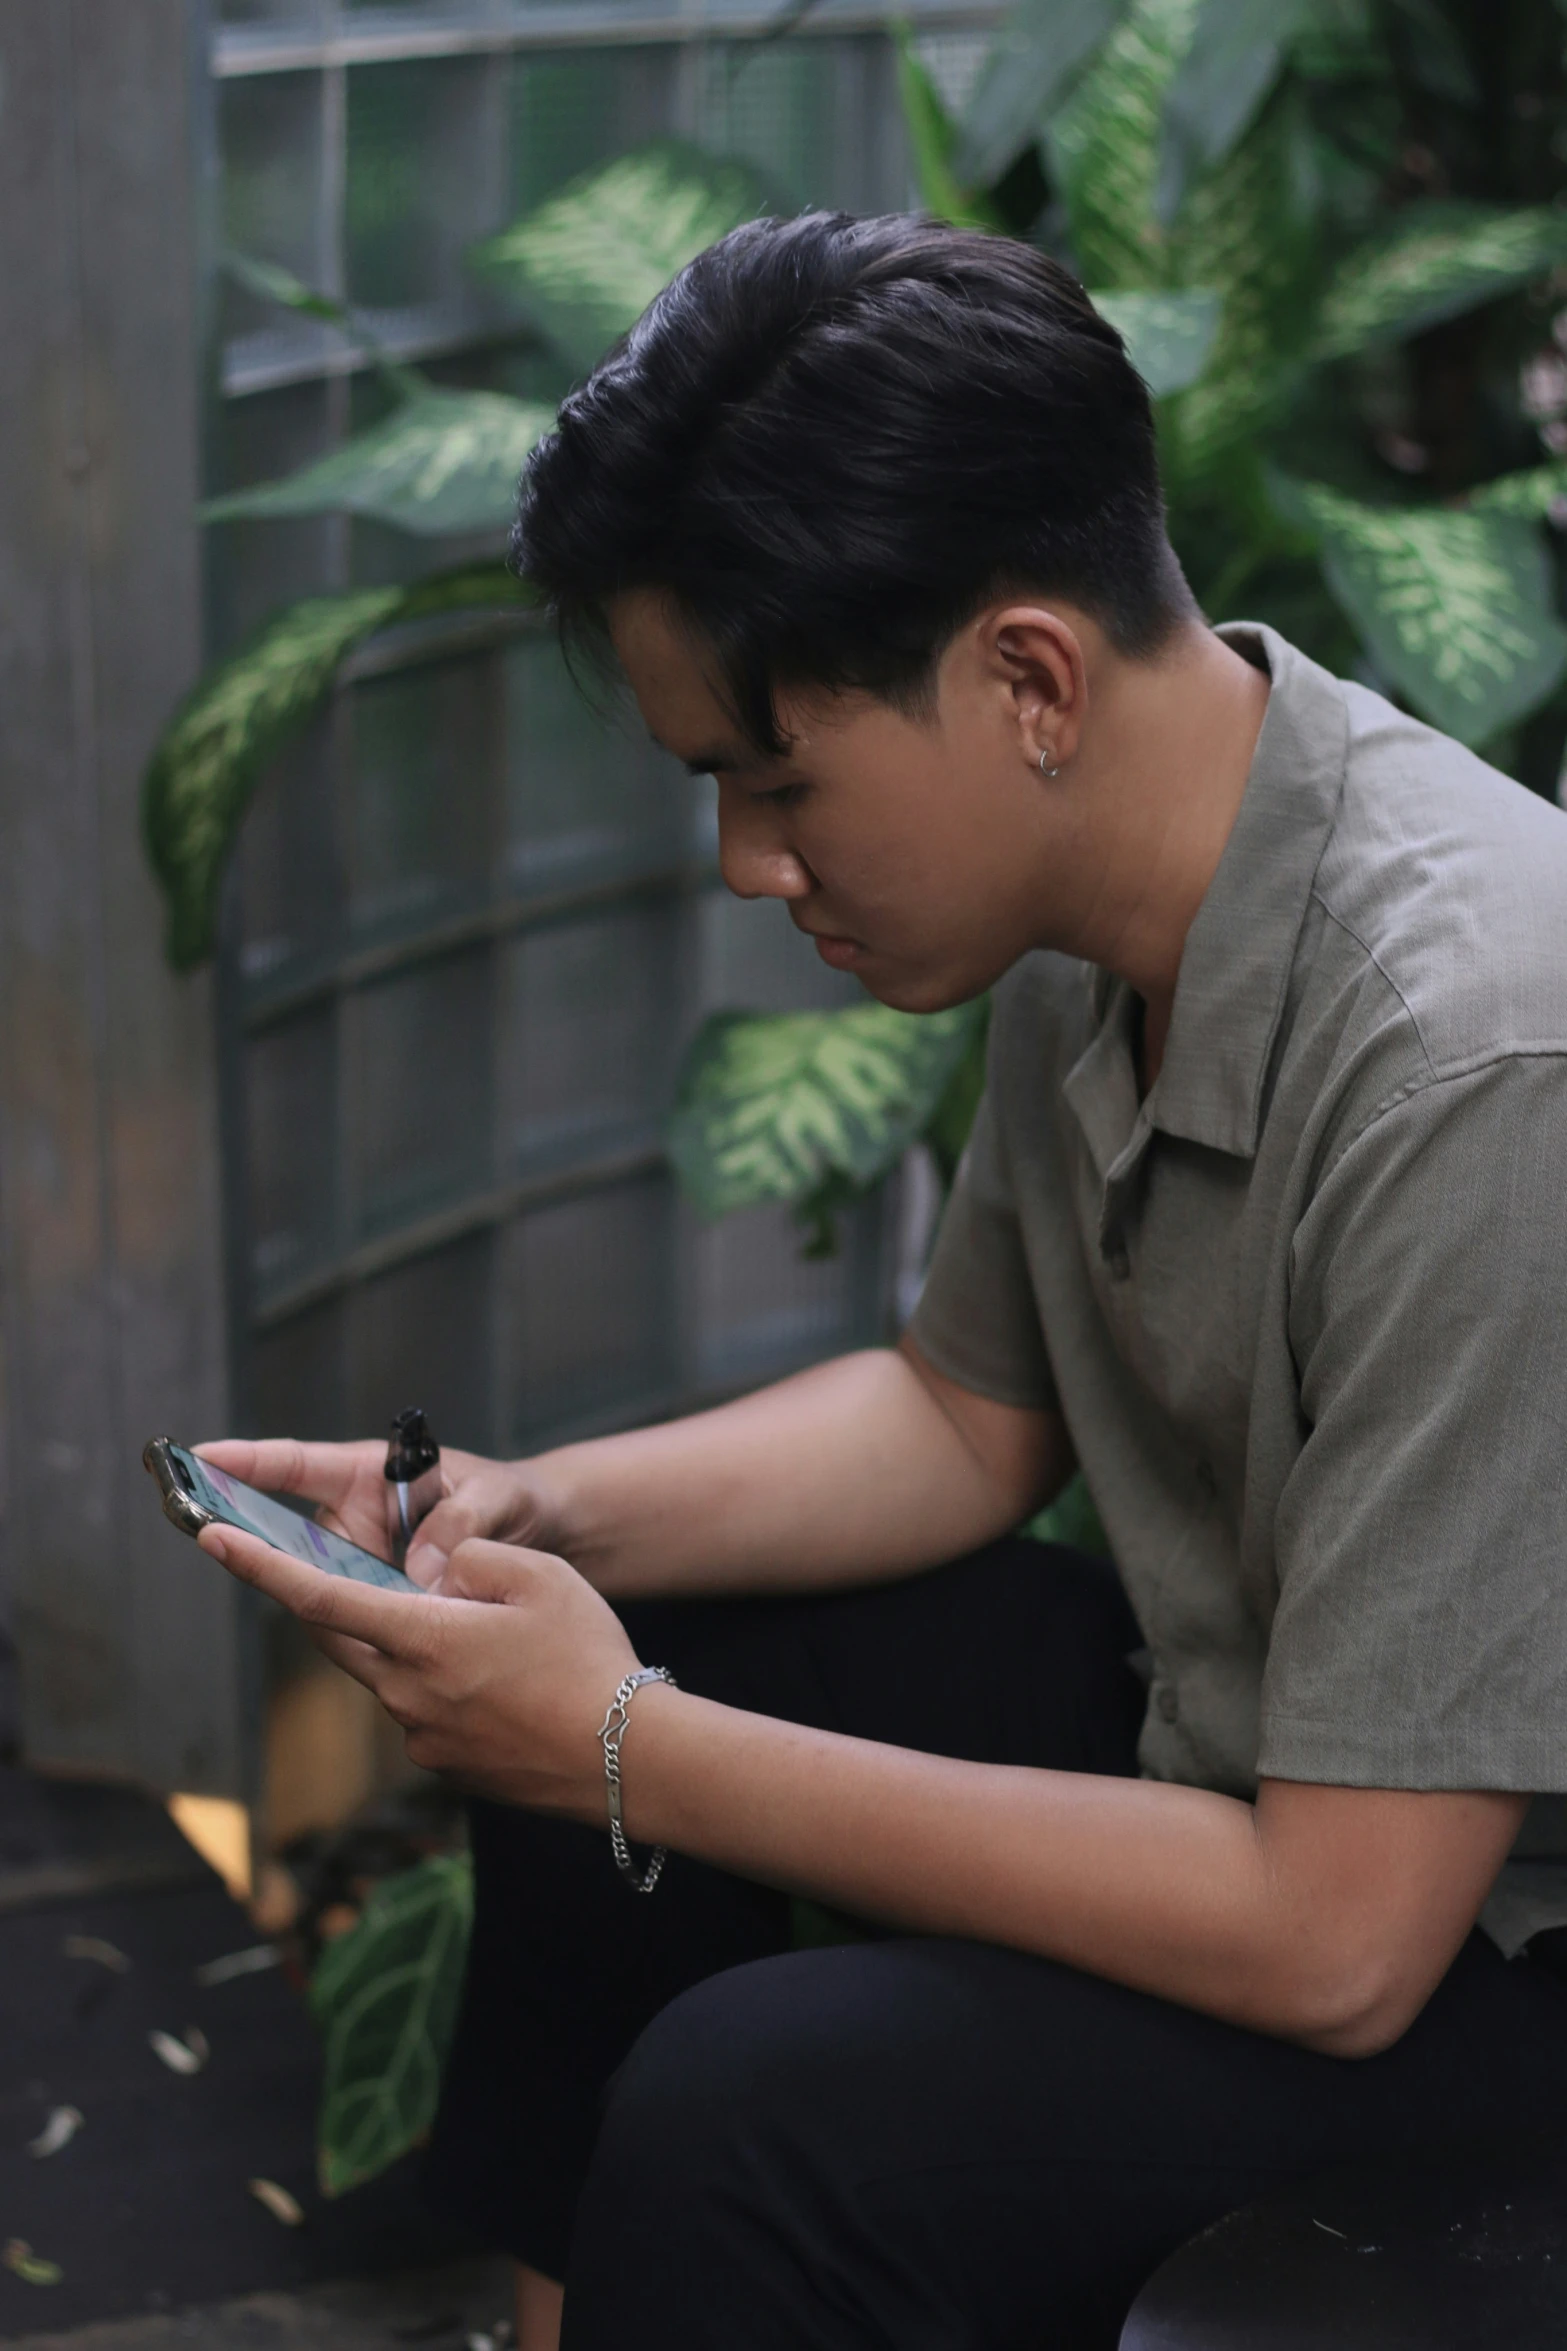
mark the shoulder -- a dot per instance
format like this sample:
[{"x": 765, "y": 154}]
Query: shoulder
[{"x": 1450, "y": 880}]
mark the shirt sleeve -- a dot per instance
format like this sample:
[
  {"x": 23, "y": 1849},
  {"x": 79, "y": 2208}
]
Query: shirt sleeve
[
  {"x": 1420, "y": 1639},
  {"x": 977, "y": 1320}
]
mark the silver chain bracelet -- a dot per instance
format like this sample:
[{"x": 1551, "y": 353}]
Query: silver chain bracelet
[{"x": 611, "y": 1731}]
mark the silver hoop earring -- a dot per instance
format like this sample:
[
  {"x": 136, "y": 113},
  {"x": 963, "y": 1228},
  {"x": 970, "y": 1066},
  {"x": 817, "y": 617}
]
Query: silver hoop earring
[{"x": 1047, "y": 766}]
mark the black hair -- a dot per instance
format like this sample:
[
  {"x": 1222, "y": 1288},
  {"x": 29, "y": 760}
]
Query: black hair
[{"x": 831, "y": 441}]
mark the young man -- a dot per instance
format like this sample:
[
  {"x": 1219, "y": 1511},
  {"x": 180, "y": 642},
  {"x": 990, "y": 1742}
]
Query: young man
[{"x": 1171, "y": 1879}]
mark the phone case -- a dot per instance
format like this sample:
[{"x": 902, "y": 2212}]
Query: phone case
[{"x": 189, "y": 1515}]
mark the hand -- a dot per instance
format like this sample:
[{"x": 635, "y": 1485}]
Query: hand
[
  {"x": 348, "y": 1485},
  {"x": 501, "y": 1678}
]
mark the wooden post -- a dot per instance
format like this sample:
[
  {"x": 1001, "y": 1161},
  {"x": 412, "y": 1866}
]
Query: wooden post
[{"x": 133, "y": 1647}]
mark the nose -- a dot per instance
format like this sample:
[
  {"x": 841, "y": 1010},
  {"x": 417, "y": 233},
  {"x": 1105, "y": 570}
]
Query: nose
[{"x": 753, "y": 857}]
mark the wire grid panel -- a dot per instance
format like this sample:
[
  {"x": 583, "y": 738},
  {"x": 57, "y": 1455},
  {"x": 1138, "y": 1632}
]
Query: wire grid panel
[{"x": 476, "y": 919}]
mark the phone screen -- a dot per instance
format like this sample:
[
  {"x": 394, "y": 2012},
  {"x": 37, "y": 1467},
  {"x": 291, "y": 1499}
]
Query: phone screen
[{"x": 261, "y": 1514}]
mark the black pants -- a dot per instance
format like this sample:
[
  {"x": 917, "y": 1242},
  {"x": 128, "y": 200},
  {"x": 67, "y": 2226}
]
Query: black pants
[{"x": 725, "y": 2144}]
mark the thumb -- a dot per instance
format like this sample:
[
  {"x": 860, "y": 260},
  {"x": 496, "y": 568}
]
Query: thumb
[
  {"x": 450, "y": 1522},
  {"x": 480, "y": 1570}
]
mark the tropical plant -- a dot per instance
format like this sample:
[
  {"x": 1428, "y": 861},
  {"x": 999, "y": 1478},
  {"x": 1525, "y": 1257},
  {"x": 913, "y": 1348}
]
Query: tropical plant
[
  {"x": 1332, "y": 232},
  {"x": 442, "y": 464},
  {"x": 385, "y": 1997}
]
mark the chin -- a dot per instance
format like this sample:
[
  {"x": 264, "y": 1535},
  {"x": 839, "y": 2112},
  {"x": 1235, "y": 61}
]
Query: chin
[{"x": 922, "y": 991}]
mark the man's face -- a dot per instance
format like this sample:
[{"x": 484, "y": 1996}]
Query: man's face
[{"x": 911, "y": 849}]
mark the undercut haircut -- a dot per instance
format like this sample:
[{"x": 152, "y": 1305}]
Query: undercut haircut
[{"x": 831, "y": 442}]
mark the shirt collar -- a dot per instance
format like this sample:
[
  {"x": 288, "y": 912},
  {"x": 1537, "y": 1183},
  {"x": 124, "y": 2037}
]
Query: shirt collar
[{"x": 1239, "y": 952}]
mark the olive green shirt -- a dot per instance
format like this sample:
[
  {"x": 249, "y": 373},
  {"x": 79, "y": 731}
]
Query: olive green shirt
[{"x": 1304, "y": 1305}]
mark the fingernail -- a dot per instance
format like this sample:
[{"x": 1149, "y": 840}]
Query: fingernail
[{"x": 215, "y": 1544}]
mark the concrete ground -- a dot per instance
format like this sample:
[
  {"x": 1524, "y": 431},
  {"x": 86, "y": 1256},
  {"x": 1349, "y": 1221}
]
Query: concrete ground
[
  {"x": 439, "y": 2310},
  {"x": 145, "y": 2219}
]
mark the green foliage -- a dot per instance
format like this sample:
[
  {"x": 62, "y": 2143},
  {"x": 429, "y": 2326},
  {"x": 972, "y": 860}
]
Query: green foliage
[
  {"x": 1033, "y": 62},
  {"x": 933, "y": 141},
  {"x": 809, "y": 1107},
  {"x": 385, "y": 1997},
  {"x": 1169, "y": 337},
  {"x": 1103, "y": 148},
  {"x": 1532, "y": 494},
  {"x": 442, "y": 463},
  {"x": 586, "y": 263},
  {"x": 1433, "y": 262},
  {"x": 1231, "y": 63},
  {"x": 1072, "y": 1519},
  {"x": 1238, "y": 158},
  {"x": 1454, "y": 606},
  {"x": 242, "y": 713}
]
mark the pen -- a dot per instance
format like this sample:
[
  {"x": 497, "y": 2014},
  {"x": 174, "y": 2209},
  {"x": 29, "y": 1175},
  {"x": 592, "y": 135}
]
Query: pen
[{"x": 413, "y": 1471}]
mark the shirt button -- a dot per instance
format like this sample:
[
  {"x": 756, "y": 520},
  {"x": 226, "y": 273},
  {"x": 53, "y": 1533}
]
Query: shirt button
[
  {"x": 1117, "y": 1257},
  {"x": 1168, "y": 1703}
]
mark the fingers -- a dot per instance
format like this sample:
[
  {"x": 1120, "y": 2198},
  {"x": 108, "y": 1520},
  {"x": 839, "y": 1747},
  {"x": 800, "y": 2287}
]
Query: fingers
[
  {"x": 282, "y": 1465},
  {"x": 480, "y": 1570},
  {"x": 395, "y": 1623},
  {"x": 455, "y": 1519}
]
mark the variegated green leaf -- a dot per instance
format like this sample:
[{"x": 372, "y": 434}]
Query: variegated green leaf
[
  {"x": 242, "y": 713},
  {"x": 1455, "y": 606},
  {"x": 442, "y": 463},
  {"x": 775, "y": 1106},
  {"x": 385, "y": 1998},
  {"x": 1540, "y": 493},
  {"x": 1243, "y": 233},
  {"x": 1436, "y": 261},
  {"x": 269, "y": 281},
  {"x": 1038, "y": 53},
  {"x": 587, "y": 262},
  {"x": 932, "y": 142},
  {"x": 1168, "y": 336},
  {"x": 1103, "y": 146},
  {"x": 1234, "y": 58}
]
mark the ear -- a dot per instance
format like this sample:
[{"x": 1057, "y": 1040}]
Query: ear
[{"x": 1039, "y": 656}]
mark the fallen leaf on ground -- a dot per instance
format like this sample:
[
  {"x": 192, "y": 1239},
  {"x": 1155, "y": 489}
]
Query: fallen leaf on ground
[
  {"x": 30, "y": 2267},
  {"x": 107, "y": 1955},
  {"x": 176, "y": 2054},
  {"x": 278, "y": 2202},
  {"x": 253, "y": 1961},
  {"x": 58, "y": 2131}
]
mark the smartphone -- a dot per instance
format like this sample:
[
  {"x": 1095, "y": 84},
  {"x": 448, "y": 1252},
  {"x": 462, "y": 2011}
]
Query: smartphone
[{"x": 195, "y": 1495}]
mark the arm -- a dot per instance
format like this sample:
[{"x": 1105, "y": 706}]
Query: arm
[
  {"x": 869, "y": 1467},
  {"x": 1325, "y": 1915},
  {"x": 859, "y": 1470}
]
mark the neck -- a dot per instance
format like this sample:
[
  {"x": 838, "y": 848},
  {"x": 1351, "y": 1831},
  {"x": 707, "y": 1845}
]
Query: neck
[{"x": 1161, "y": 775}]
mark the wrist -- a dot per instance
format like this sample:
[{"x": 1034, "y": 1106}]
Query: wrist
[{"x": 570, "y": 1524}]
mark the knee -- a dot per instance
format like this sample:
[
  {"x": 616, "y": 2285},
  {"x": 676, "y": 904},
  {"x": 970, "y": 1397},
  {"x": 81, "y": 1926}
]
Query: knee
[
  {"x": 734, "y": 2085},
  {"x": 693, "y": 2081}
]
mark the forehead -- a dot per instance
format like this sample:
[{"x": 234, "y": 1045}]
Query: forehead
[{"x": 664, "y": 670}]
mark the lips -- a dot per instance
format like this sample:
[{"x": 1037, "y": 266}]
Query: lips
[{"x": 841, "y": 953}]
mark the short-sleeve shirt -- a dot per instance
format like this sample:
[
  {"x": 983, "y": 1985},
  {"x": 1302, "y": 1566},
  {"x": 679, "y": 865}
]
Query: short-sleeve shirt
[{"x": 1303, "y": 1306}]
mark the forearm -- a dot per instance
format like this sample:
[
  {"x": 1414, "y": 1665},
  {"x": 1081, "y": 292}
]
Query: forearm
[
  {"x": 1174, "y": 1891},
  {"x": 849, "y": 1472}
]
